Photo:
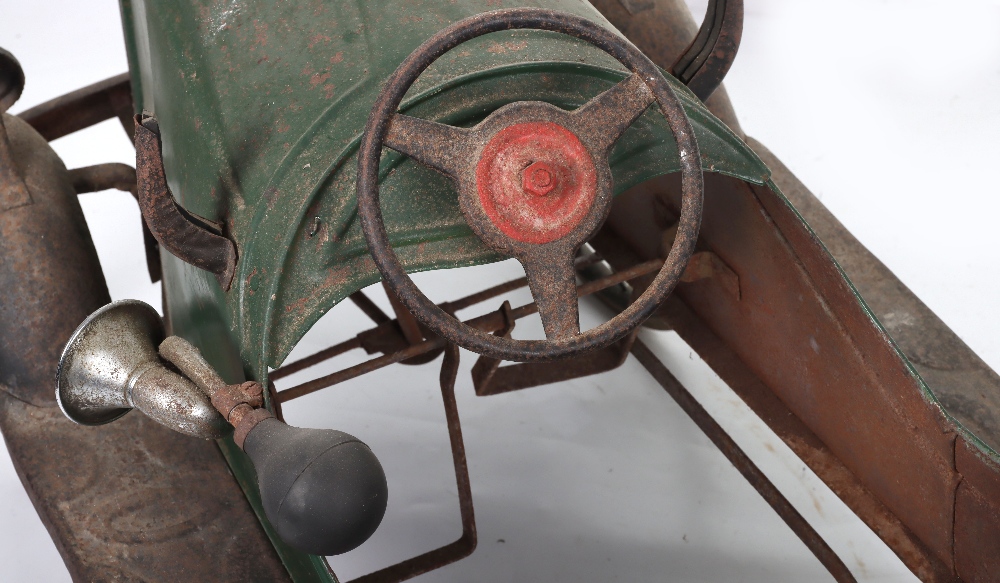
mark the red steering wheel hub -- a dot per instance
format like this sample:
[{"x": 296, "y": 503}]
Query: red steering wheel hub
[{"x": 536, "y": 181}]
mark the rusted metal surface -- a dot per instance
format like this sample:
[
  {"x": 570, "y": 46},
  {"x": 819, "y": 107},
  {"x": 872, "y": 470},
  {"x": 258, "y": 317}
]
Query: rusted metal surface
[
  {"x": 663, "y": 30},
  {"x": 120, "y": 177},
  {"x": 484, "y": 295},
  {"x": 801, "y": 440},
  {"x": 967, "y": 388},
  {"x": 466, "y": 544},
  {"x": 359, "y": 369},
  {"x": 977, "y": 513},
  {"x": 367, "y": 306},
  {"x": 246, "y": 418},
  {"x": 190, "y": 238},
  {"x": 457, "y": 152},
  {"x": 240, "y": 404},
  {"x": 46, "y": 273},
  {"x": 508, "y": 286},
  {"x": 78, "y": 110},
  {"x": 705, "y": 63},
  {"x": 411, "y": 329},
  {"x": 851, "y": 387},
  {"x": 133, "y": 501},
  {"x": 972, "y": 504},
  {"x": 382, "y": 336},
  {"x": 83, "y": 108},
  {"x": 407, "y": 323},
  {"x": 103, "y": 177},
  {"x": 489, "y": 378},
  {"x": 314, "y": 359},
  {"x": 741, "y": 462},
  {"x": 705, "y": 264},
  {"x": 243, "y": 403},
  {"x": 229, "y": 397},
  {"x": 269, "y": 196},
  {"x": 486, "y": 367}
]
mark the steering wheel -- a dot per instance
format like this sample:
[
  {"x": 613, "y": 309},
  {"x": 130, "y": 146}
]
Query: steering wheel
[{"x": 534, "y": 183}]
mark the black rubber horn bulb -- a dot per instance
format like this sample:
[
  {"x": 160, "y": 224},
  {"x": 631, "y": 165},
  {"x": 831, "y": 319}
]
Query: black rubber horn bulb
[{"x": 323, "y": 490}]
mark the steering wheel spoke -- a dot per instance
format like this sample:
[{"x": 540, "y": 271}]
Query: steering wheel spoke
[
  {"x": 605, "y": 118},
  {"x": 435, "y": 145},
  {"x": 553, "y": 286}
]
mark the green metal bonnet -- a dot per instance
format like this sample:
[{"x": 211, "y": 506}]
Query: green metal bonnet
[{"x": 261, "y": 106}]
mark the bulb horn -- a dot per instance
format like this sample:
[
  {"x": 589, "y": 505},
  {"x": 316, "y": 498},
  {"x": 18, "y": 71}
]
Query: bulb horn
[{"x": 324, "y": 491}]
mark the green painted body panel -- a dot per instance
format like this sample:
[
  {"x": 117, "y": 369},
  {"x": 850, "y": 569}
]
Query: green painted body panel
[{"x": 261, "y": 106}]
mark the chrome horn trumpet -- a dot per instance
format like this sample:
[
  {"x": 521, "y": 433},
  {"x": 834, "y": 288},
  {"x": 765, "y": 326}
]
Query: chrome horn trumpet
[{"x": 110, "y": 366}]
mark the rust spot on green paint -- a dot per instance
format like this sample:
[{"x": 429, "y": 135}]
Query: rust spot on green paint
[
  {"x": 317, "y": 79},
  {"x": 512, "y": 46},
  {"x": 317, "y": 39},
  {"x": 260, "y": 34}
]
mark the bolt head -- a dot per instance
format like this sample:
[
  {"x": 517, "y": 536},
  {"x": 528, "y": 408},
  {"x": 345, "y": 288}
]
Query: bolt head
[{"x": 539, "y": 179}]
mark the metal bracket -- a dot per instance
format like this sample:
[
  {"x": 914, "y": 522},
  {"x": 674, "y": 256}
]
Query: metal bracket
[
  {"x": 466, "y": 544},
  {"x": 120, "y": 177},
  {"x": 83, "y": 108},
  {"x": 190, "y": 238},
  {"x": 489, "y": 378}
]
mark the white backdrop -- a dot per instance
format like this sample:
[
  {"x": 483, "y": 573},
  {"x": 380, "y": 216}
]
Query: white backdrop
[{"x": 604, "y": 478}]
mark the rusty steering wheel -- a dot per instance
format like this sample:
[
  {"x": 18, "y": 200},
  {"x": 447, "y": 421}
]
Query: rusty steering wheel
[{"x": 534, "y": 183}]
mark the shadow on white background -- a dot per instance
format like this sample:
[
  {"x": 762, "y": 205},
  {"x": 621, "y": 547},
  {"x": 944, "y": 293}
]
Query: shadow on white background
[{"x": 887, "y": 110}]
